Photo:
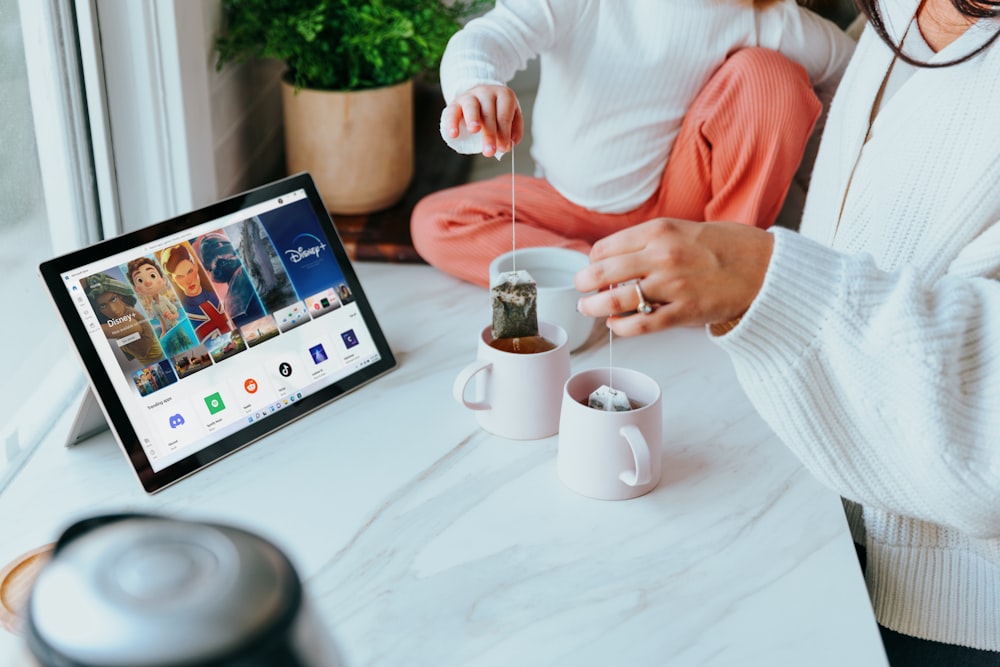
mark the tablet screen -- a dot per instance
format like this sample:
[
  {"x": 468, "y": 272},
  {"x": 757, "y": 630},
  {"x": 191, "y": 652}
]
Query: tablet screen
[{"x": 203, "y": 333}]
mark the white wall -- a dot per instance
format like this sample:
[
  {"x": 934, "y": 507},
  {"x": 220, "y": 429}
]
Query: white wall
[
  {"x": 181, "y": 134},
  {"x": 246, "y": 119}
]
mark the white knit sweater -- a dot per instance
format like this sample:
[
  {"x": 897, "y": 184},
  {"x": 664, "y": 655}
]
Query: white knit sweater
[
  {"x": 873, "y": 348},
  {"x": 617, "y": 77}
]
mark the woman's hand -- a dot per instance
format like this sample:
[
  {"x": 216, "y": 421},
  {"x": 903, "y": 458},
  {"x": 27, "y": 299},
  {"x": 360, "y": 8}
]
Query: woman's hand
[
  {"x": 692, "y": 273},
  {"x": 492, "y": 110}
]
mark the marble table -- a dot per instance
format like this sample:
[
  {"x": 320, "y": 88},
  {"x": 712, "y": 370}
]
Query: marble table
[{"x": 423, "y": 540}]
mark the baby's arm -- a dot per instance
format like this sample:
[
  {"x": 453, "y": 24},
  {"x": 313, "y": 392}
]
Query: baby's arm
[
  {"x": 490, "y": 109},
  {"x": 483, "y": 57}
]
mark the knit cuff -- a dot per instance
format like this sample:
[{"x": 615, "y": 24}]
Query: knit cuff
[
  {"x": 945, "y": 593},
  {"x": 803, "y": 284}
]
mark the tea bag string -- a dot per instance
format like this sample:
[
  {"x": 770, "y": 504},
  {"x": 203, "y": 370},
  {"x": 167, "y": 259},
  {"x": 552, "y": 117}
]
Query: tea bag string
[
  {"x": 513, "y": 214},
  {"x": 611, "y": 353}
]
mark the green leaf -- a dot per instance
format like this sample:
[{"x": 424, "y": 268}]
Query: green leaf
[{"x": 343, "y": 44}]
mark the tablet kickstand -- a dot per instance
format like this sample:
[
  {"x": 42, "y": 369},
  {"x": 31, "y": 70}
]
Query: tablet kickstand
[{"x": 89, "y": 420}]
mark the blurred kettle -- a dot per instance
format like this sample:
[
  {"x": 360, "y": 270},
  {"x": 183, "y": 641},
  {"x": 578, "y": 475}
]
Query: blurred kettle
[{"x": 147, "y": 591}]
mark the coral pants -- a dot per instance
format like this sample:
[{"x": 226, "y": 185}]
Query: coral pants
[{"x": 738, "y": 149}]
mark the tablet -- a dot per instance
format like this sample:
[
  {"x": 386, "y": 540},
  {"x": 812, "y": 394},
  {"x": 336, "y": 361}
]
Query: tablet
[{"x": 203, "y": 333}]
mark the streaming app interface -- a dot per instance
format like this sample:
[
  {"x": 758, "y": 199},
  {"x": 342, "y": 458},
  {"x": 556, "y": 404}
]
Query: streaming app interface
[{"x": 210, "y": 330}]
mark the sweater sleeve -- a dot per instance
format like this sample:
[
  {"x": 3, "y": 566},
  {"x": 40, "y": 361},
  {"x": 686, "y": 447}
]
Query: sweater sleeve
[
  {"x": 490, "y": 49},
  {"x": 885, "y": 385}
]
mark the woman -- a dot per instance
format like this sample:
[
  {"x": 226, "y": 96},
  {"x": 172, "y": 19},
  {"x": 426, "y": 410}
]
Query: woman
[{"x": 871, "y": 341}]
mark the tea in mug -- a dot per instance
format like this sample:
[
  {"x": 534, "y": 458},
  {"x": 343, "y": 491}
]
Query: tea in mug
[
  {"x": 523, "y": 344},
  {"x": 632, "y": 405}
]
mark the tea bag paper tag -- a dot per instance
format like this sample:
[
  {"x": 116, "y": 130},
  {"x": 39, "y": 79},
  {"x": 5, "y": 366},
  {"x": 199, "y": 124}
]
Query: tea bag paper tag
[
  {"x": 466, "y": 142},
  {"x": 514, "y": 298},
  {"x": 608, "y": 399}
]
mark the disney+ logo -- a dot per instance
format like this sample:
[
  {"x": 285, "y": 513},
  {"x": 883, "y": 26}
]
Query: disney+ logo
[{"x": 303, "y": 251}]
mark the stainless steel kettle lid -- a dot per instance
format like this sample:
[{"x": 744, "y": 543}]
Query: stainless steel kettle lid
[{"x": 149, "y": 591}]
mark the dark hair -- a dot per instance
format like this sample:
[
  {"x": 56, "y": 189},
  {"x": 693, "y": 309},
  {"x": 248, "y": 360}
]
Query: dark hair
[{"x": 975, "y": 9}]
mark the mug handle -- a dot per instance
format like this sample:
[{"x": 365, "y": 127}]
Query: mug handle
[
  {"x": 640, "y": 454},
  {"x": 463, "y": 379}
]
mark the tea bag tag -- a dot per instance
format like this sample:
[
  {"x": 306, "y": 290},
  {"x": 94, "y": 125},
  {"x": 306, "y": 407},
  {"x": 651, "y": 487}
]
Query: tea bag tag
[
  {"x": 514, "y": 297},
  {"x": 608, "y": 399},
  {"x": 466, "y": 143}
]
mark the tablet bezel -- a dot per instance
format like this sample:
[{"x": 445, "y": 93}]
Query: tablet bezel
[{"x": 100, "y": 382}]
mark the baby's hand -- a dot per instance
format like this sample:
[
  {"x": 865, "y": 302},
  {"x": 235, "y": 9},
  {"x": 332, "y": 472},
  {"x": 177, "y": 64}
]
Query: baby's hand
[{"x": 492, "y": 110}]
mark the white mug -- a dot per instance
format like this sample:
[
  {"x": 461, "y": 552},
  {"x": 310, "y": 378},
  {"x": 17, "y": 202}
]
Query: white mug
[
  {"x": 553, "y": 270},
  {"x": 518, "y": 396},
  {"x": 605, "y": 454}
]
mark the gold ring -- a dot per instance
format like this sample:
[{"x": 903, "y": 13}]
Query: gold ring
[{"x": 644, "y": 307}]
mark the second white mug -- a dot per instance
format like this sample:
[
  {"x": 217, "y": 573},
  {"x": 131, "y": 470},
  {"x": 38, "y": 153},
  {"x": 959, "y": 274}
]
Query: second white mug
[{"x": 605, "y": 454}]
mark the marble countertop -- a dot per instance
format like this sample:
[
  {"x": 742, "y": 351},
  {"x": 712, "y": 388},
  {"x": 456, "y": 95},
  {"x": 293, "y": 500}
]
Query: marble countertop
[{"x": 423, "y": 540}]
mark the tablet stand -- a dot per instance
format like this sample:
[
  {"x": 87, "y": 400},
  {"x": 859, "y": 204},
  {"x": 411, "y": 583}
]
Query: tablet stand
[{"x": 89, "y": 420}]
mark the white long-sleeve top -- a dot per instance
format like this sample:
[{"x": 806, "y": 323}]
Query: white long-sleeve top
[
  {"x": 873, "y": 347},
  {"x": 617, "y": 77}
]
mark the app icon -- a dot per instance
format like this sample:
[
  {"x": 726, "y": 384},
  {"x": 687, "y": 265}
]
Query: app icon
[
  {"x": 285, "y": 369},
  {"x": 350, "y": 338},
  {"x": 214, "y": 403},
  {"x": 250, "y": 385},
  {"x": 176, "y": 420},
  {"x": 318, "y": 354}
]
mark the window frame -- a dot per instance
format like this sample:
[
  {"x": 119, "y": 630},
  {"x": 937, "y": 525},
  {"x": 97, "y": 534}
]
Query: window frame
[
  {"x": 150, "y": 72},
  {"x": 91, "y": 64},
  {"x": 58, "y": 105}
]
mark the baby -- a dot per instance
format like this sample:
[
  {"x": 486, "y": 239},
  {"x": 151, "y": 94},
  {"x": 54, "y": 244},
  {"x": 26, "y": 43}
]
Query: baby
[{"x": 644, "y": 109}]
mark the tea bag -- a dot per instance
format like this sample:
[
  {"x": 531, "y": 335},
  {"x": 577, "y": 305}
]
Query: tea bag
[
  {"x": 604, "y": 397},
  {"x": 514, "y": 296},
  {"x": 608, "y": 399}
]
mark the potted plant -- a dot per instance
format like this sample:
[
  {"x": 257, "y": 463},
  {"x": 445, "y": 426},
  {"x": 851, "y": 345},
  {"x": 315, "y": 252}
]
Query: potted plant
[{"x": 347, "y": 93}]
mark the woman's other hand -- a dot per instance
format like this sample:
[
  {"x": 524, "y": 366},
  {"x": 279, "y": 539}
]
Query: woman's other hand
[{"x": 692, "y": 273}]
